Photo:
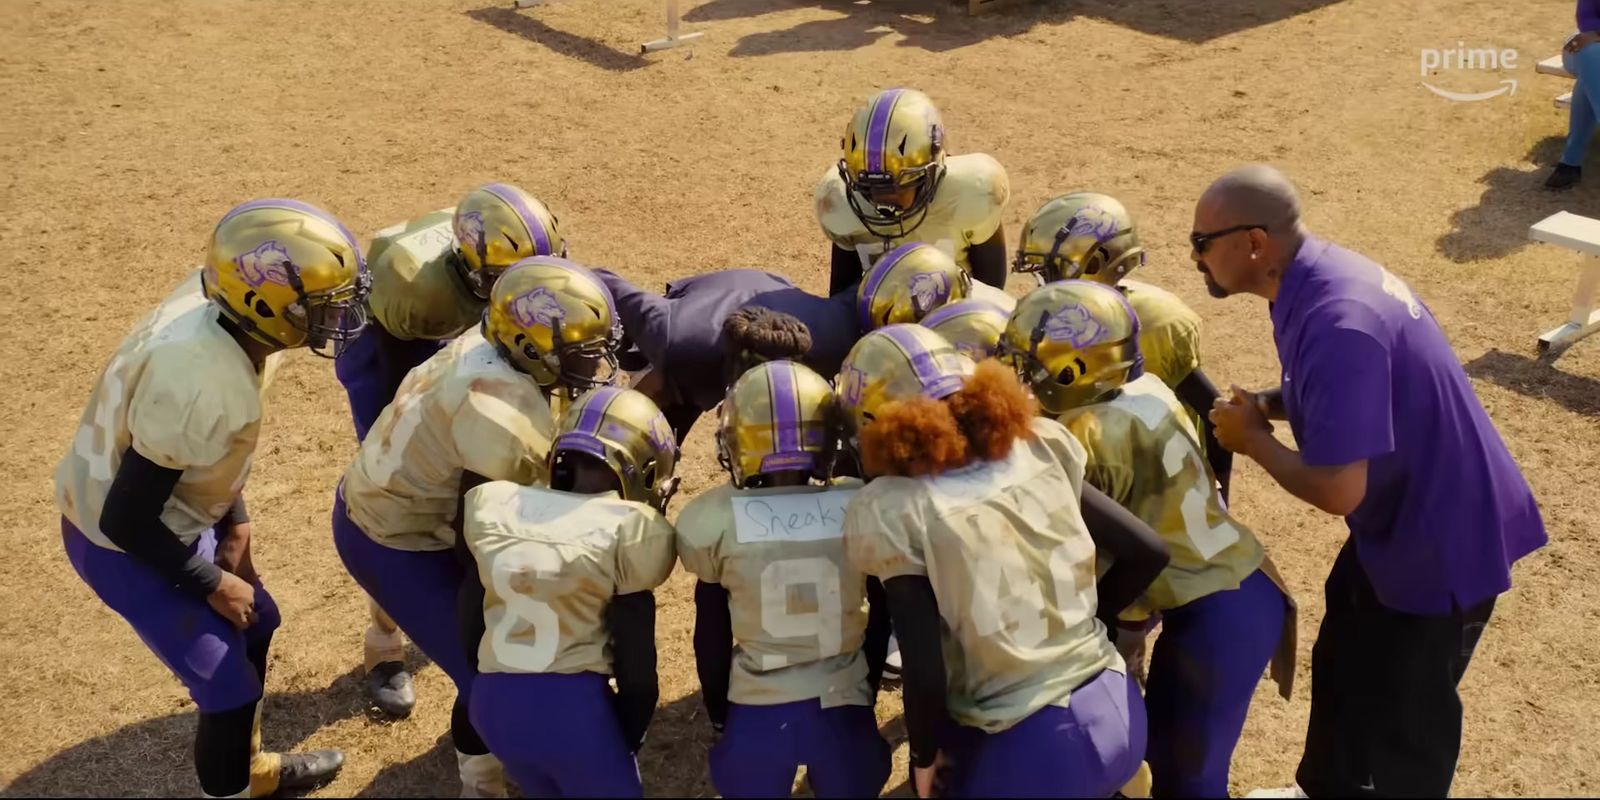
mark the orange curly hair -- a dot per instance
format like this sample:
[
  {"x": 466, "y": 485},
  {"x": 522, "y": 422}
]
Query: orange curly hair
[{"x": 980, "y": 422}]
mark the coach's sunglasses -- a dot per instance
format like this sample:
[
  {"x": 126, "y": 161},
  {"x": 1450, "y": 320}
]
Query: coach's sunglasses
[{"x": 1202, "y": 241}]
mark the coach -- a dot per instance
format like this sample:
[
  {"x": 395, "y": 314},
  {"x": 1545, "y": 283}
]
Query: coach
[{"x": 1392, "y": 438}]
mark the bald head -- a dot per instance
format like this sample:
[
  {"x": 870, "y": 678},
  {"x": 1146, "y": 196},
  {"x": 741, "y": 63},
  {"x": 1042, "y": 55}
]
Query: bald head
[
  {"x": 1247, "y": 231},
  {"x": 1256, "y": 194}
]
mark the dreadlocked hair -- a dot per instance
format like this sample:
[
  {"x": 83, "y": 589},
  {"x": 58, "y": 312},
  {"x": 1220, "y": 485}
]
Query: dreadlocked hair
[
  {"x": 980, "y": 422},
  {"x": 766, "y": 334}
]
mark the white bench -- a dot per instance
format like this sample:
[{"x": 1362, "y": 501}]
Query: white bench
[
  {"x": 1583, "y": 235},
  {"x": 673, "y": 38},
  {"x": 1553, "y": 66}
]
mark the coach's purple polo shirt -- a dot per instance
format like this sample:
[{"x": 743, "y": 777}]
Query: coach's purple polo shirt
[{"x": 1368, "y": 374}]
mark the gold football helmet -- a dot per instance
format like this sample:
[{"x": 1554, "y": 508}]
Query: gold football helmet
[
  {"x": 289, "y": 275},
  {"x": 897, "y": 362},
  {"x": 1080, "y": 235},
  {"x": 893, "y": 161},
  {"x": 907, "y": 283},
  {"x": 497, "y": 225},
  {"x": 973, "y": 326},
  {"x": 555, "y": 321},
  {"x": 777, "y": 417},
  {"x": 1072, "y": 342},
  {"x": 624, "y": 429}
]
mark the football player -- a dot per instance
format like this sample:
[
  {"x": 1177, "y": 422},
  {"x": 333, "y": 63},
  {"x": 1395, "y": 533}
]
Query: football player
[
  {"x": 152, "y": 511},
  {"x": 477, "y": 411},
  {"x": 974, "y": 519},
  {"x": 430, "y": 280},
  {"x": 1092, "y": 236},
  {"x": 1221, "y": 605},
  {"x": 895, "y": 183},
  {"x": 569, "y": 572},
  {"x": 708, "y": 329},
  {"x": 780, "y": 614}
]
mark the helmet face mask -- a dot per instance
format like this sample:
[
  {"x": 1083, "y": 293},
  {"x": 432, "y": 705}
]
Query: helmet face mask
[{"x": 332, "y": 320}]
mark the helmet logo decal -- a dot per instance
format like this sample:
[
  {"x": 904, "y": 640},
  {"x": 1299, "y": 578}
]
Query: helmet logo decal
[
  {"x": 661, "y": 436},
  {"x": 469, "y": 231},
  {"x": 1075, "y": 325},
  {"x": 929, "y": 290},
  {"x": 538, "y": 308},
  {"x": 1092, "y": 221},
  {"x": 852, "y": 381},
  {"x": 268, "y": 263}
]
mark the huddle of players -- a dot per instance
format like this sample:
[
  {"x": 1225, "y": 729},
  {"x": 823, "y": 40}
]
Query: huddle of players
[{"x": 1031, "y": 481}]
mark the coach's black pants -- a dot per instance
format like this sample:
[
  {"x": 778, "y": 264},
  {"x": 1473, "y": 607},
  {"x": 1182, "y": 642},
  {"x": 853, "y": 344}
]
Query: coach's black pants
[{"x": 1385, "y": 716}]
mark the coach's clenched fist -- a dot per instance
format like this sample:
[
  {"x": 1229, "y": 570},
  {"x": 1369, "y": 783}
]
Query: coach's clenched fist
[{"x": 1239, "y": 421}]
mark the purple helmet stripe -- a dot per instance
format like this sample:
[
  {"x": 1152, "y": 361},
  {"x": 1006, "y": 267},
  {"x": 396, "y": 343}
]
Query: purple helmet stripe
[
  {"x": 935, "y": 382},
  {"x": 296, "y": 205},
  {"x": 594, "y": 409},
  {"x": 785, "y": 408},
  {"x": 513, "y": 197},
  {"x": 969, "y": 306},
  {"x": 878, "y": 128},
  {"x": 875, "y": 278}
]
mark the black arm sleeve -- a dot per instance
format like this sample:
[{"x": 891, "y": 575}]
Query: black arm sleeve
[
  {"x": 875, "y": 644},
  {"x": 1137, "y": 554},
  {"x": 713, "y": 648},
  {"x": 844, "y": 270},
  {"x": 632, "y": 621},
  {"x": 988, "y": 260},
  {"x": 469, "y": 597},
  {"x": 916, "y": 625},
  {"x": 131, "y": 519},
  {"x": 1198, "y": 393}
]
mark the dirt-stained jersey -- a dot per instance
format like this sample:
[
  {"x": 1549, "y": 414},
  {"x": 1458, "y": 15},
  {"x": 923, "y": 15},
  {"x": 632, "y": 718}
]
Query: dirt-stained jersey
[
  {"x": 1143, "y": 453},
  {"x": 465, "y": 408},
  {"x": 417, "y": 292},
  {"x": 985, "y": 292},
  {"x": 1169, "y": 332},
  {"x": 183, "y": 393},
  {"x": 798, "y": 607},
  {"x": 1004, "y": 545},
  {"x": 966, "y": 210},
  {"x": 550, "y": 563}
]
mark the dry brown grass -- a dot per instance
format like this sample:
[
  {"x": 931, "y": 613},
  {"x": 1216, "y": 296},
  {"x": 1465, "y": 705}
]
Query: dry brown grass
[{"x": 130, "y": 125}]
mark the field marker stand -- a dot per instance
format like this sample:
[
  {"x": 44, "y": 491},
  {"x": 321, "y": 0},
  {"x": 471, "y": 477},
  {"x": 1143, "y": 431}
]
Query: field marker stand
[
  {"x": 1583, "y": 235},
  {"x": 673, "y": 37}
]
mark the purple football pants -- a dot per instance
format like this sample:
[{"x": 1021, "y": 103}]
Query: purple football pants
[
  {"x": 416, "y": 589},
  {"x": 1089, "y": 749},
  {"x": 204, "y": 650},
  {"x": 371, "y": 370},
  {"x": 556, "y": 734},
  {"x": 1204, "y": 668},
  {"x": 762, "y": 747}
]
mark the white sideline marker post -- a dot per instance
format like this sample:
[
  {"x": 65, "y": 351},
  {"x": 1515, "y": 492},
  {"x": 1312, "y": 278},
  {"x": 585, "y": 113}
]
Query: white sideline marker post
[
  {"x": 673, "y": 38},
  {"x": 1583, "y": 235}
]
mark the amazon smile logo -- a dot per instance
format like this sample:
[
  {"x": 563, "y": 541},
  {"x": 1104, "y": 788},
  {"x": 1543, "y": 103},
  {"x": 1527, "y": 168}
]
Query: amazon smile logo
[{"x": 1462, "y": 59}]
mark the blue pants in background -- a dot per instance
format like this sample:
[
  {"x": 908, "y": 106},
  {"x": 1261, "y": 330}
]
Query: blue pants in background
[
  {"x": 371, "y": 370},
  {"x": 763, "y": 747},
  {"x": 1585, "y": 66}
]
